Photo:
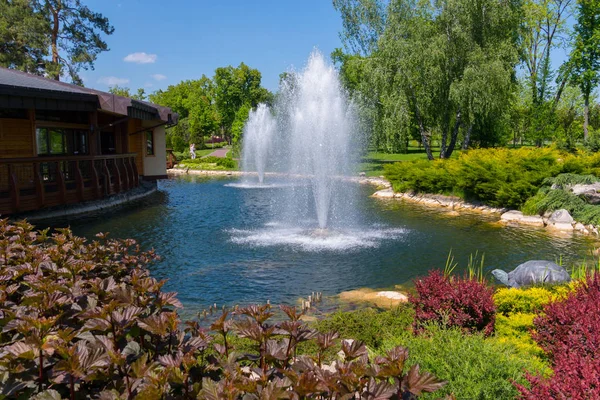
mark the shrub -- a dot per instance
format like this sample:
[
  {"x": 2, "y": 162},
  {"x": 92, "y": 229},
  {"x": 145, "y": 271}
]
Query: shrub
[
  {"x": 474, "y": 366},
  {"x": 497, "y": 177},
  {"x": 515, "y": 330},
  {"x": 569, "y": 333},
  {"x": 369, "y": 325},
  {"x": 555, "y": 195},
  {"x": 85, "y": 320},
  {"x": 453, "y": 302},
  {"x": 530, "y": 300},
  {"x": 210, "y": 162}
]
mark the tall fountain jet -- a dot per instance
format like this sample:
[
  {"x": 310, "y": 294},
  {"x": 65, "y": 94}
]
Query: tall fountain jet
[
  {"x": 258, "y": 136},
  {"x": 310, "y": 139},
  {"x": 320, "y": 120}
]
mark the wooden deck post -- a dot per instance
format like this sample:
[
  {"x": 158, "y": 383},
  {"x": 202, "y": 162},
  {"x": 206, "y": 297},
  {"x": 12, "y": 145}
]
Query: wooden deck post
[
  {"x": 78, "y": 181},
  {"x": 15, "y": 192},
  {"x": 95, "y": 181},
  {"x": 40, "y": 191},
  {"x": 118, "y": 183},
  {"x": 60, "y": 181},
  {"x": 107, "y": 180}
]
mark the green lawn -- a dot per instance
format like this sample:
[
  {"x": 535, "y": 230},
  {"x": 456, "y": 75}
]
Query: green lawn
[
  {"x": 372, "y": 163},
  {"x": 203, "y": 152}
]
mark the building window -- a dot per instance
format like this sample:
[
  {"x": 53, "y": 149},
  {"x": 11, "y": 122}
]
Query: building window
[
  {"x": 55, "y": 141},
  {"x": 149, "y": 143}
]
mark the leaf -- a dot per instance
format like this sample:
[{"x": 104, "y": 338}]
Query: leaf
[
  {"x": 417, "y": 383},
  {"x": 49, "y": 394},
  {"x": 353, "y": 349},
  {"x": 132, "y": 351},
  {"x": 378, "y": 390}
]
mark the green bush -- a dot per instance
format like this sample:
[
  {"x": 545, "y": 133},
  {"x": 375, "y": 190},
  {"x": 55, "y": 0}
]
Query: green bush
[
  {"x": 530, "y": 300},
  {"x": 210, "y": 163},
  {"x": 475, "y": 367},
  {"x": 555, "y": 195},
  {"x": 369, "y": 325},
  {"x": 497, "y": 177}
]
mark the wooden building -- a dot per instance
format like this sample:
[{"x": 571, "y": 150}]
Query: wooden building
[{"x": 63, "y": 144}]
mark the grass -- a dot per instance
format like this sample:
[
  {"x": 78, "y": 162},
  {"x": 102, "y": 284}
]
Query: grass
[
  {"x": 372, "y": 163},
  {"x": 203, "y": 152}
]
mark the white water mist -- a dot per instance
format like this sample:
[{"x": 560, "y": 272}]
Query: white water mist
[{"x": 258, "y": 135}]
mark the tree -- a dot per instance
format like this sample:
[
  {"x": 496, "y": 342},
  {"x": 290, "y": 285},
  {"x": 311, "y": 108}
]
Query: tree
[
  {"x": 75, "y": 37},
  {"x": 364, "y": 21},
  {"x": 235, "y": 87},
  {"x": 542, "y": 30},
  {"x": 585, "y": 55},
  {"x": 125, "y": 92},
  {"x": 65, "y": 30},
  {"x": 440, "y": 68},
  {"x": 23, "y": 42}
]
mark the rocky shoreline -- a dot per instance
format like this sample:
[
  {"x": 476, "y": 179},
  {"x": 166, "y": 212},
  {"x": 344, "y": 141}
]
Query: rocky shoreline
[{"x": 559, "y": 221}]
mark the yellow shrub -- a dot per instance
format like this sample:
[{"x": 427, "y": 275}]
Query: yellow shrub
[{"x": 531, "y": 300}]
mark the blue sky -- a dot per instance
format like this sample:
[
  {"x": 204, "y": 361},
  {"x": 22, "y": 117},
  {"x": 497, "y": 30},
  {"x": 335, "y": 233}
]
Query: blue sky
[{"x": 184, "y": 39}]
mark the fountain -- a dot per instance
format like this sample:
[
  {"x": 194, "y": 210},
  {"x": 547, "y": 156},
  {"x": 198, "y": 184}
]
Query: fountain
[
  {"x": 313, "y": 138},
  {"x": 258, "y": 134}
]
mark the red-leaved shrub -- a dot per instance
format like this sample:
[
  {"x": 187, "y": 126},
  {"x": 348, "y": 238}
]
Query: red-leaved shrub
[
  {"x": 454, "y": 302},
  {"x": 569, "y": 332}
]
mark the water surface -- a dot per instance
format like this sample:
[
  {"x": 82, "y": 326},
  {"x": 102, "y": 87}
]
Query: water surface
[{"x": 219, "y": 243}]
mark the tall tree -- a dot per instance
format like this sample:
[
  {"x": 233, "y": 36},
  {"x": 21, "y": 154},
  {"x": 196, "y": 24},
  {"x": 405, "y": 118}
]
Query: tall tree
[
  {"x": 125, "y": 92},
  {"x": 543, "y": 29},
  {"x": 585, "y": 55},
  {"x": 23, "y": 39},
  {"x": 75, "y": 37},
  {"x": 363, "y": 22},
  {"x": 235, "y": 87}
]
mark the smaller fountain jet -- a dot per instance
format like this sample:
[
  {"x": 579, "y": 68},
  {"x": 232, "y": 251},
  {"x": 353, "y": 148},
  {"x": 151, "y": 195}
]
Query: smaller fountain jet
[{"x": 258, "y": 135}]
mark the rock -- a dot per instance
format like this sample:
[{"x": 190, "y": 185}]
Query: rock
[
  {"x": 388, "y": 294},
  {"x": 385, "y": 193},
  {"x": 384, "y": 298},
  {"x": 579, "y": 227},
  {"x": 511, "y": 216},
  {"x": 586, "y": 189},
  {"x": 561, "y": 220},
  {"x": 532, "y": 220},
  {"x": 362, "y": 174}
]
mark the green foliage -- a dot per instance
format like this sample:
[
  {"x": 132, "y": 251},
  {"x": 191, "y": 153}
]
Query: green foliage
[
  {"x": 369, "y": 325},
  {"x": 210, "y": 163},
  {"x": 555, "y": 195},
  {"x": 497, "y": 177},
  {"x": 474, "y": 366},
  {"x": 23, "y": 39},
  {"x": 515, "y": 330},
  {"x": 51, "y": 37}
]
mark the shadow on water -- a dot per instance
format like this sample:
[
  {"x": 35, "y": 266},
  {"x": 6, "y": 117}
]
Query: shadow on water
[{"x": 194, "y": 224}]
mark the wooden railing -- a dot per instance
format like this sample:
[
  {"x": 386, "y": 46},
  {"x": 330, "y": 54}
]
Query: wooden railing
[{"x": 33, "y": 183}]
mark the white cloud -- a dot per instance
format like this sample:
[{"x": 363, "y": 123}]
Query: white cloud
[
  {"x": 159, "y": 77},
  {"x": 141, "y": 58},
  {"x": 113, "y": 80}
]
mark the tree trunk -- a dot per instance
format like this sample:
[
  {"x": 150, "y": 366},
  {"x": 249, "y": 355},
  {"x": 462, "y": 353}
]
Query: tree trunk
[
  {"x": 447, "y": 152},
  {"x": 55, "y": 29},
  {"x": 465, "y": 145},
  {"x": 586, "y": 115}
]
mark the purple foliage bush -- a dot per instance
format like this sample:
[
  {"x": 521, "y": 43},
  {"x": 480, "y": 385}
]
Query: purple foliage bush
[
  {"x": 569, "y": 332},
  {"x": 453, "y": 302}
]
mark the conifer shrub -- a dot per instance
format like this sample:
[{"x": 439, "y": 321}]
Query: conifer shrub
[
  {"x": 84, "y": 319},
  {"x": 449, "y": 301}
]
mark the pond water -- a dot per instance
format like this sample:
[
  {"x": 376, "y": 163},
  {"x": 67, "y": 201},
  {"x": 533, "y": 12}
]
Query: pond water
[{"x": 219, "y": 243}]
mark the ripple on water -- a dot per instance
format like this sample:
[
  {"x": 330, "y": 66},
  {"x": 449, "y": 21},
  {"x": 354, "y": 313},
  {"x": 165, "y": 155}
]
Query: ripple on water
[{"x": 314, "y": 240}]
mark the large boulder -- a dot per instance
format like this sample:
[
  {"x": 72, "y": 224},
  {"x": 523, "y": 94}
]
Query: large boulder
[
  {"x": 561, "y": 220},
  {"x": 590, "y": 192}
]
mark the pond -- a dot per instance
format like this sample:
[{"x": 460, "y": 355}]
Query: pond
[{"x": 219, "y": 243}]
